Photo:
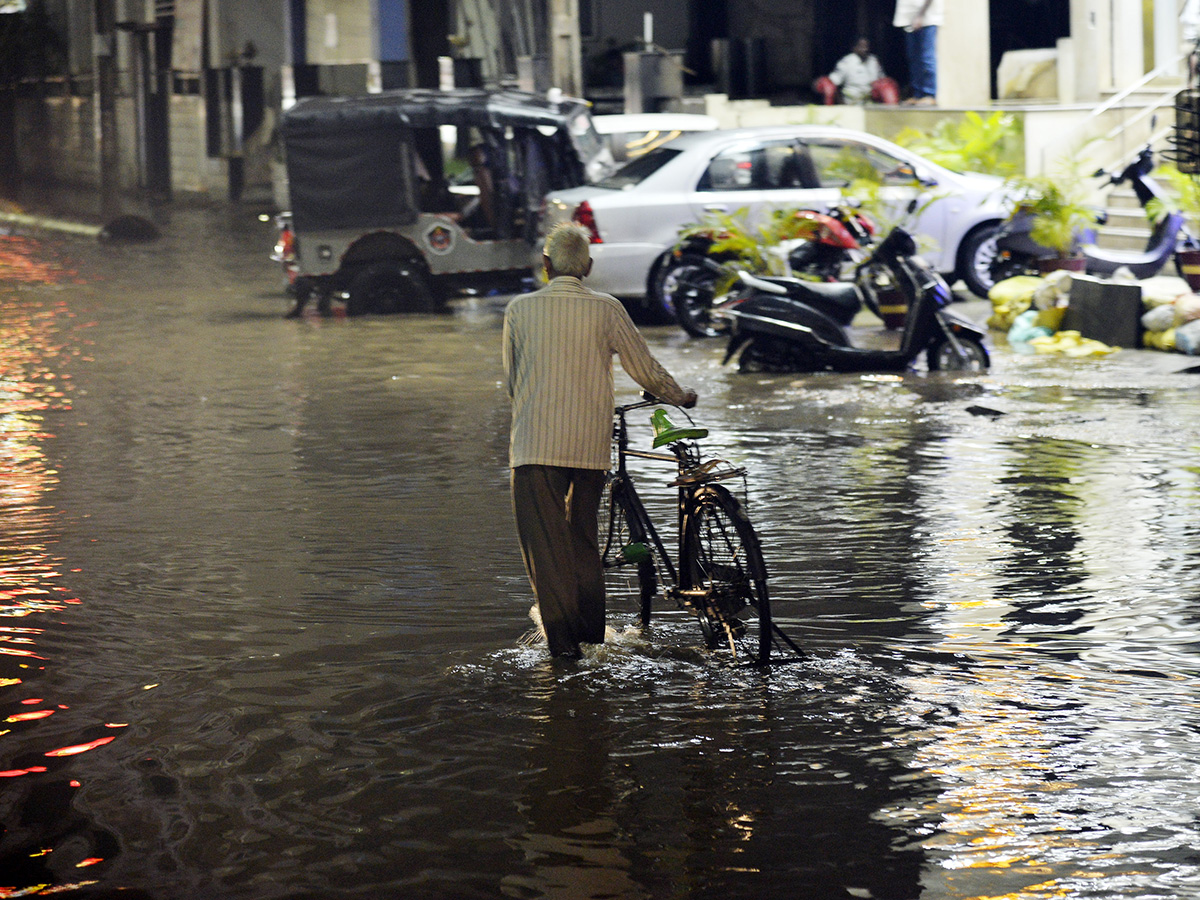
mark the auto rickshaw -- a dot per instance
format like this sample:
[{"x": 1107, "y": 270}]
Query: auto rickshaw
[{"x": 402, "y": 198}]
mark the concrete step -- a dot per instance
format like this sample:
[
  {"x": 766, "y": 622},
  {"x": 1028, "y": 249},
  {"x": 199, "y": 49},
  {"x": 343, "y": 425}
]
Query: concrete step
[{"x": 1121, "y": 238}]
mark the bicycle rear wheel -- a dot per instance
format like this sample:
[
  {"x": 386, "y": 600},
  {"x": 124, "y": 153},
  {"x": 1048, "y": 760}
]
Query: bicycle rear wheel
[
  {"x": 723, "y": 576},
  {"x": 632, "y": 550}
]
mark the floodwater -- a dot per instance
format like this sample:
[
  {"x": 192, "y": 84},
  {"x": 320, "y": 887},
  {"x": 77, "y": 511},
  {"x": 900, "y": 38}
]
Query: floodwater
[{"x": 262, "y": 610}]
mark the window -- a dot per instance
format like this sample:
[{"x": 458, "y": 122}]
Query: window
[
  {"x": 638, "y": 170},
  {"x": 771, "y": 166},
  {"x": 838, "y": 163}
]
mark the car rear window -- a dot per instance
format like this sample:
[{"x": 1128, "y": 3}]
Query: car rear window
[{"x": 638, "y": 170}]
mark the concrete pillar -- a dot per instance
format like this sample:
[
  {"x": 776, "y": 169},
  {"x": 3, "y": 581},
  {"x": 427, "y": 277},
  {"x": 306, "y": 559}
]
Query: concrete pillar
[
  {"x": 105, "y": 94},
  {"x": 964, "y": 55},
  {"x": 1125, "y": 45},
  {"x": 565, "y": 56},
  {"x": 1086, "y": 44},
  {"x": 1168, "y": 37}
]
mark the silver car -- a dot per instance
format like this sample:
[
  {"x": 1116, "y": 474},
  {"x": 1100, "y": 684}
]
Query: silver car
[{"x": 636, "y": 213}]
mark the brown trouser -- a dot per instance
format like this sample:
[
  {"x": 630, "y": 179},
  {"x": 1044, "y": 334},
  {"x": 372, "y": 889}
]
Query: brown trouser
[{"x": 556, "y": 511}]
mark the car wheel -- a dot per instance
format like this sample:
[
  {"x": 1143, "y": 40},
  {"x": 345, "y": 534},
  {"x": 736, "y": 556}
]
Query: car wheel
[
  {"x": 390, "y": 287},
  {"x": 976, "y": 258}
]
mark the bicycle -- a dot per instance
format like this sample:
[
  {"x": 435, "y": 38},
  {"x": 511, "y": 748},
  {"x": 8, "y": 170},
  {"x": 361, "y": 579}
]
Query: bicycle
[{"x": 720, "y": 577}]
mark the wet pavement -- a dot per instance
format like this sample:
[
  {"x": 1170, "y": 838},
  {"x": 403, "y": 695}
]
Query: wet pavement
[{"x": 262, "y": 610}]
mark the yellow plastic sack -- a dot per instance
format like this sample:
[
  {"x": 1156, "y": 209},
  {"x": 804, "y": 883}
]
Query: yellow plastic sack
[
  {"x": 1071, "y": 343},
  {"x": 1010, "y": 298},
  {"x": 1159, "y": 340},
  {"x": 1051, "y": 318}
]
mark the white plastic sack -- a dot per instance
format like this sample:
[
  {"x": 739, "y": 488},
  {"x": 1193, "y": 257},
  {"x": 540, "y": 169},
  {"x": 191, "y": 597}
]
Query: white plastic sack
[
  {"x": 1160, "y": 318},
  {"x": 1162, "y": 289},
  {"x": 1187, "y": 338}
]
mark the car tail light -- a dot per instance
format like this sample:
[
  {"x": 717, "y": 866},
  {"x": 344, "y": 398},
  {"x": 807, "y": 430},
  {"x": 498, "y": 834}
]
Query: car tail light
[
  {"x": 584, "y": 216},
  {"x": 285, "y": 246}
]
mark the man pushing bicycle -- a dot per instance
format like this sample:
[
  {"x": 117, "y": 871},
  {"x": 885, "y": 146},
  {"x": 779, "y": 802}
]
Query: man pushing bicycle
[{"x": 558, "y": 347}]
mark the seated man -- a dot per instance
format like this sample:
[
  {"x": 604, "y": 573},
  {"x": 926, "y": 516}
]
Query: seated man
[
  {"x": 481, "y": 212},
  {"x": 860, "y": 78}
]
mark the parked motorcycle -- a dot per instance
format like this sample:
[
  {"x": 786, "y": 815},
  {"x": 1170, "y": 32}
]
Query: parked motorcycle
[
  {"x": 1014, "y": 252},
  {"x": 774, "y": 332},
  {"x": 836, "y": 243}
]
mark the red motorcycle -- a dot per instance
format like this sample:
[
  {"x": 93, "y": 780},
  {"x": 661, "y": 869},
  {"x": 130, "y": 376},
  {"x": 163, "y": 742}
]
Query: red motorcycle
[{"x": 833, "y": 243}]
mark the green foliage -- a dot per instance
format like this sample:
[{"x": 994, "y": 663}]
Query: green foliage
[
  {"x": 1058, "y": 203},
  {"x": 744, "y": 247},
  {"x": 970, "y": 144},
  {"x": 866, "y": 194},
  {"x": 1187, "y": 195}
]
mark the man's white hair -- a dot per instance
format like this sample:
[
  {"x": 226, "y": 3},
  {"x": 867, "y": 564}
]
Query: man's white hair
[{"x": 568, "y": 247}]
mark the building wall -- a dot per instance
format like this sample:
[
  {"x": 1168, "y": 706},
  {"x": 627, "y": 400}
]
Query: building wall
[
  {"x": 192, "y": 169},
  {"x": 56, "y": 139},
  {"x": 620, "y": 23},
  {"x": 340, "y": 32}
]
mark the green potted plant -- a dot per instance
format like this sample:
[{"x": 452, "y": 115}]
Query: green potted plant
[
  {"x": 1059, "y": 205},
  {"x": 1186, "y": 190}
]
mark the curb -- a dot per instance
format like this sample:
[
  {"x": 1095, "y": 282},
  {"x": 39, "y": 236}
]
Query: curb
[{"x": 51, "y": 224}]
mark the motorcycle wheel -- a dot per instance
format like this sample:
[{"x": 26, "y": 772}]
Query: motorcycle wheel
[
  {"x": 977, "y": 259},
  {"x": 689, "y": 289},
  {"x": 662, "y": 285},
  {"x": 942, "y": 357}
]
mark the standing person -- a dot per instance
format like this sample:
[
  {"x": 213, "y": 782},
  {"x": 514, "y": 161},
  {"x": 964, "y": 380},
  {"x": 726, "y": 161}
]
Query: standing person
[
  {"x": 920, "y": 20},
  {"x": 559, "y": 344}
]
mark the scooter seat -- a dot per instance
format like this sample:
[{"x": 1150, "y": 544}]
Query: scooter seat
[{"x": 840, "y": 299}]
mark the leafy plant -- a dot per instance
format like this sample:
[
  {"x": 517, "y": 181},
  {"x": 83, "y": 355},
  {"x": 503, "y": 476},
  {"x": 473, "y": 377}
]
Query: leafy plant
[
  {"x": 970, "y": 144},
  {"x": 1058, "y": 203},
  {"x": 866, "y": 194},
  {"x": 743, "y": 247},
  {"x": 1186, "y": 189}
]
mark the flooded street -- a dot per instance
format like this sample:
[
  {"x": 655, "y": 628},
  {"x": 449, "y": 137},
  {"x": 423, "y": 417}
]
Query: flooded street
[{"x": 262, "y": 609}]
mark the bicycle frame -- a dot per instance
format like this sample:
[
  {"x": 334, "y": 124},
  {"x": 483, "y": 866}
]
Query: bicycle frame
[
  {"x": 692, "y": 476},
  {"x": 622, "y": 481}
]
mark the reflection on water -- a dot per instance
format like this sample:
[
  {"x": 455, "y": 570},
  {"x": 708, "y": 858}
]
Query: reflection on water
[
  {"x": 41, "y": 731},
  {"x": 262, "y": 602}
]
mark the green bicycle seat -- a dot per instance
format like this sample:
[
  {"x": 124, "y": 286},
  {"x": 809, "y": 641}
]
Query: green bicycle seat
[{"x": 666, "y": 433}]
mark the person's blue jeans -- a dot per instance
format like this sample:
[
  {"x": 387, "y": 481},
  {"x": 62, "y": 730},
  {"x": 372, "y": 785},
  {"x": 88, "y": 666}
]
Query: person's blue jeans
[{"x": 921, "y": 47}]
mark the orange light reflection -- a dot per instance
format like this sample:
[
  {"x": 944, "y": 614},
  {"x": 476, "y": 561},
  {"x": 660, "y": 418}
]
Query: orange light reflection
[{"x": 81, "y": 748}]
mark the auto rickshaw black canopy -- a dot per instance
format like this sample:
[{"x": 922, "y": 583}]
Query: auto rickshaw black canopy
[{"x": 350, "y": 159}]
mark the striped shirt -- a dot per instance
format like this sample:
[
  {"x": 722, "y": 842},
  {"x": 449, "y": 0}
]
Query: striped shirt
[{"x": 558, "y": 348}]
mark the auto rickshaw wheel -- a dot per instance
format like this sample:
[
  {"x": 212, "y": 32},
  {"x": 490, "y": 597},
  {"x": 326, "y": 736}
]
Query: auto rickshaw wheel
[{"x": 384, "y": 288}]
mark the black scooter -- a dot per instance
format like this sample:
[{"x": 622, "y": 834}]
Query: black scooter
[
  {"x": 1016, "y": 253},
  {"x": 778, "y": 332}
]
